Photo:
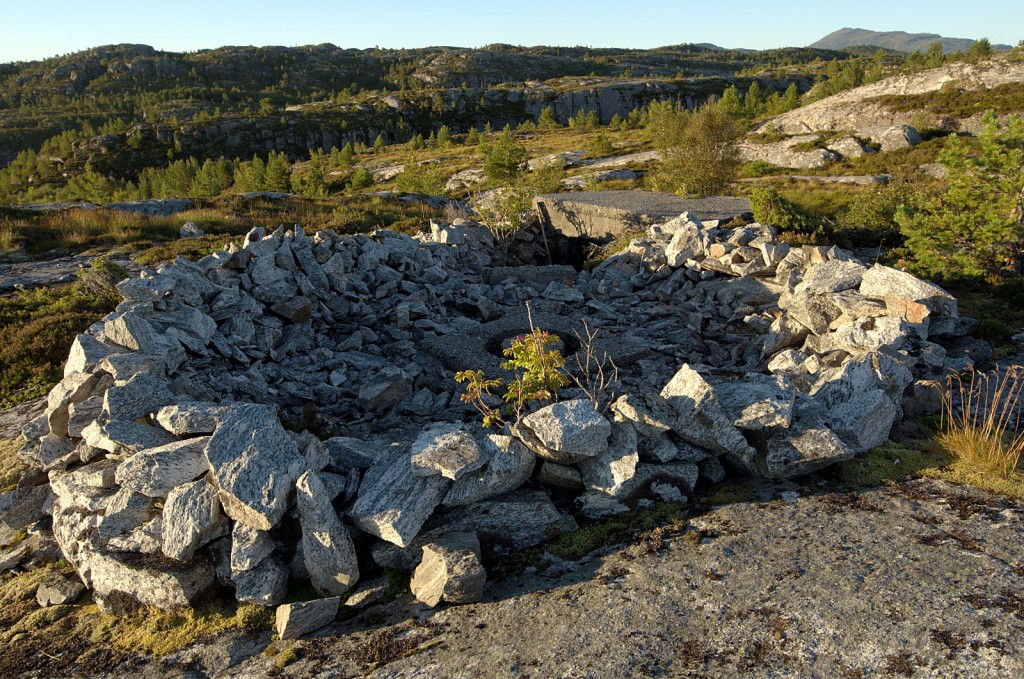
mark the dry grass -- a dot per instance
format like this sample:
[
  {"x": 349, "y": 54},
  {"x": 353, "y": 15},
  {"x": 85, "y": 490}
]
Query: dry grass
[{"x": 981, "y": 413}]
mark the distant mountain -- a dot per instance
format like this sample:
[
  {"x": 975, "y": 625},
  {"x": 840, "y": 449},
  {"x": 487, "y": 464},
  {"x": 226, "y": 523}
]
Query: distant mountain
[{"x": 894, "y": 40}]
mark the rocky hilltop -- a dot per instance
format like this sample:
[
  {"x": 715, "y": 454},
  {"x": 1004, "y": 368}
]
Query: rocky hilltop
[{"x": 859, "y": 111}]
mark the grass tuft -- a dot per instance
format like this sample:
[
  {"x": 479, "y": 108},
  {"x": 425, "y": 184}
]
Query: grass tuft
[{"x": 981, "y": 414}]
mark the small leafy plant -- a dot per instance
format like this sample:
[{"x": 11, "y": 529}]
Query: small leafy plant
[{"x": 538, "y": 367}]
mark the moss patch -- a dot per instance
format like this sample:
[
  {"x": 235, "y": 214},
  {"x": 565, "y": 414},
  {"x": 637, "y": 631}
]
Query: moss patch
[
  {"x": 624, "y": 528},
  {"x": 890, "y": 462},
  {"x": 11, "y": 466}
]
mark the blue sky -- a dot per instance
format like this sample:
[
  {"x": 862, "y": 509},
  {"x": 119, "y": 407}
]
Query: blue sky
[{"x": 38, "y": 29}]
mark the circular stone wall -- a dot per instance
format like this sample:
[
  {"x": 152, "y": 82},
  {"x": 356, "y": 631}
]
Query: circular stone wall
[{"x": 171, "y": 446}]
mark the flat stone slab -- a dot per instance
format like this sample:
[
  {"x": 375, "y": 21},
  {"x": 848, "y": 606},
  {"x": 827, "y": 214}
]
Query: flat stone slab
[
  {"x": 301, "y": 618},
  {"x": 604, "y": 215}
]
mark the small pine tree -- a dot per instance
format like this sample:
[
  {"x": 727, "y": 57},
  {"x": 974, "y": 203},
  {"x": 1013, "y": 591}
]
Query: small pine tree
[
  {"x": 444, "y": 137},
  {"x": 979, "y": 50},
  {"x": 546, "y": 120},
  {"x": 378, "y": 144},
  {"x": 616, "y": 122},
  {"x": 347, "y": 155},
  {"x": 360, "y": 179},
  {"x": 279, "y": 171},
  {"x": 504, "y": 160},
  {"x": 473, "y": 137},
  {"x": 730, "y": 101},
  {"x": 975, "y": 228}
]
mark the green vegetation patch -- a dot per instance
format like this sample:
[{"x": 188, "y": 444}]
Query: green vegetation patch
[
  {"x": 37, "y": 327},
  {"x": 582, "y": 541},
  {"x": 11, "y": 466},
  {"x": 955, "y": 102},
  {"x": 891, "y": 462}
]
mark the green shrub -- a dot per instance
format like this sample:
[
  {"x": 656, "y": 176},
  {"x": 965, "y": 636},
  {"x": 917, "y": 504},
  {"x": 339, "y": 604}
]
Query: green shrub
[
  {"x": 870, "y": 217},
  {"x": 698, "y": 149},
  {"x": 773, "y": 209},
  {"x": 416, "y": 178},
  {"x": 759, "y": 168},
  {"x": 36, "y": 330}
]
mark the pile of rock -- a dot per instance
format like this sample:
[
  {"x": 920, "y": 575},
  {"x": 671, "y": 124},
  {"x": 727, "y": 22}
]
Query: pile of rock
[{"x": 167, "y": 469}]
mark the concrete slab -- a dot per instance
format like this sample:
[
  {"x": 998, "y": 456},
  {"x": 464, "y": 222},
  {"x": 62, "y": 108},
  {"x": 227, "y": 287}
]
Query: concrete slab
[{"x": 604, "y": 215}]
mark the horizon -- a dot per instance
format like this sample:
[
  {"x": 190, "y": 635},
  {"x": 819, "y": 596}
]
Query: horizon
[{"x": 602, "y": 25}]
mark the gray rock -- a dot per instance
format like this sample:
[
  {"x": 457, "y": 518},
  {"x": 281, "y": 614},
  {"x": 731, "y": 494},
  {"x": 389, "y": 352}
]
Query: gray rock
[
  {"x": 255, "y": 464},
  {"x": 756, "y": 402},
  {"x": 295, "y": 310},
  {"x": 190, "y": 230},
  {"x": 701, "y": 420},
  {"x": 785, "y": 331},
  {"x": 834, "y": 275},
  {"x": 446, "y": 449},
  {"x": 120, "y": 582},
  {"x": 566, "y": 477},
  {"x": 146, "y": 539},
  {"x": 682, "y": 475},
  {"x": 802, "y": 450},
  {"x": 518, "y": 520},
  {"x": 368, "y": 592},
  {"x": 249, "y": 547},
  {"x": 507, "y": 465},
  {"x": 326, "y": 546},
  {"x": 190, "y": 418},
  {"x": 85, "y": 355},
  {"x": 565, "y": 432},
  {"x": 688, "y": 242},
  {"x": 350, "y": 453},
  {"x": 385, "y": 390},
  {"x": 81, "y": 415},
  {"x": 393, "y": 501},
  {"x": 156, "y": 471},
  {"x": 123, "y": 366},
  {"x": 661, "y": 448},
  {"x": 74, "y": 388},
  {"x": 814, "y": 312},
  {"x": 450, "y": 571},
  {"x": 616, "y": 466},
  {"x": 871, "y": 334},
  {"x": 265, "y": 584},
  {"x": 879, "y": 282},
  {"x": 596, "y": 505},
  {"x": 22, "y": 507},
  {"x": 299, "y": 619},
  {"x": 133, "y": 332},
  {"x": 126, "y": 511},
  {"x": 895, "y": 137},
  {"x": 57, "y": 590},
  {"x": 191, "y": 518},
  {"x": 864, "y": 421},
  {"x": 125, "y": 439},
  {"x": 649, "y": 413}
]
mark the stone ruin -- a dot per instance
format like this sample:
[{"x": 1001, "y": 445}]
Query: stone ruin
[{"x": 165, "y": 465}]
